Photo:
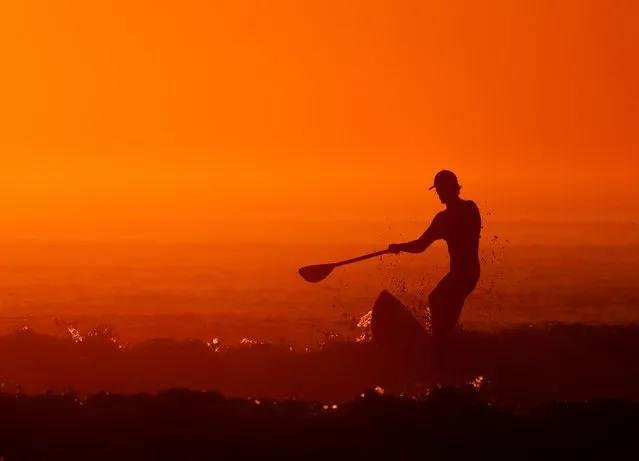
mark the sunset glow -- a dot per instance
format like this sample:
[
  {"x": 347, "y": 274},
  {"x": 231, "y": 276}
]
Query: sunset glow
[{"x": 192, "y": 120}]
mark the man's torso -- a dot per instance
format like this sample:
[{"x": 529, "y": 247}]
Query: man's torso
[{"x": 460, "y": 226}]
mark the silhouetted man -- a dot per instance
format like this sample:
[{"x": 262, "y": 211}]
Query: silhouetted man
[{"x": 459, "y": 225}]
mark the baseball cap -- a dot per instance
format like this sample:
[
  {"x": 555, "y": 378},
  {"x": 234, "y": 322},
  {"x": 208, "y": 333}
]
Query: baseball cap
[{"x": 443, "y": 179}]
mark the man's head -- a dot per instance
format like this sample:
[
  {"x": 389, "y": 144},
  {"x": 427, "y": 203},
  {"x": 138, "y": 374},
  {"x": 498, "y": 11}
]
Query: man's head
[{"x": 446, "y": 185}]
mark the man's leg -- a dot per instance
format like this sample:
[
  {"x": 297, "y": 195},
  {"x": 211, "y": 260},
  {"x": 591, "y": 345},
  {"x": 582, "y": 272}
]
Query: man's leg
[
  {"x": 446, "y": 302},
  {"x": 445, "y": 306}
]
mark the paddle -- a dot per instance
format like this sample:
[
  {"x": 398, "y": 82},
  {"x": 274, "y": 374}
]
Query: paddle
[{"x": 319, "y": 272}]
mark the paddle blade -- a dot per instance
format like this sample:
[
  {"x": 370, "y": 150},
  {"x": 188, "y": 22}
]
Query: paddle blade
[{"x": 316, "y": 273}]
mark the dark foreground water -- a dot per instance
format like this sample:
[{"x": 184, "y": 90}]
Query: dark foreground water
[{"x": 449, "y": 423}]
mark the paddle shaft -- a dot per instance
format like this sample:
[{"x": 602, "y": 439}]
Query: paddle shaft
[{"x": 360, "y": 258}]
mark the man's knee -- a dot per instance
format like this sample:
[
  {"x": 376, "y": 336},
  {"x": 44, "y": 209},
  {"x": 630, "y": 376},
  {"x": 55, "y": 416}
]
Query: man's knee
[
  {"x": 444, "y": 314},
  {"x": 434, "y": 299}
]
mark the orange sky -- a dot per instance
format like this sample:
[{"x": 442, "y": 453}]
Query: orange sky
[{"x": 177, "y": 118}]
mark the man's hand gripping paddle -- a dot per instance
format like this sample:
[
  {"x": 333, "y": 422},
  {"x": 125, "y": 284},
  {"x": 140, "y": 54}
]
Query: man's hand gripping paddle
[{"x": 319, "y": 272}]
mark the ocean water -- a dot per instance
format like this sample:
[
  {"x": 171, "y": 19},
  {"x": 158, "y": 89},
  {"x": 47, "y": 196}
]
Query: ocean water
[{"x": 147, "y": 291}]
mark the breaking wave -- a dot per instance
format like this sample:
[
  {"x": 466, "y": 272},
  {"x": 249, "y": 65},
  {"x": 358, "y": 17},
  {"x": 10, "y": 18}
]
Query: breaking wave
[{"x": 521, "y": 366}]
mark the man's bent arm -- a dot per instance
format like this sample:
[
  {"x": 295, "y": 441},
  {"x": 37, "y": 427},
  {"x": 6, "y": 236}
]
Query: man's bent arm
[
  {"x": 419, "y": 245},
  {"x": 434, "y": 232}
]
